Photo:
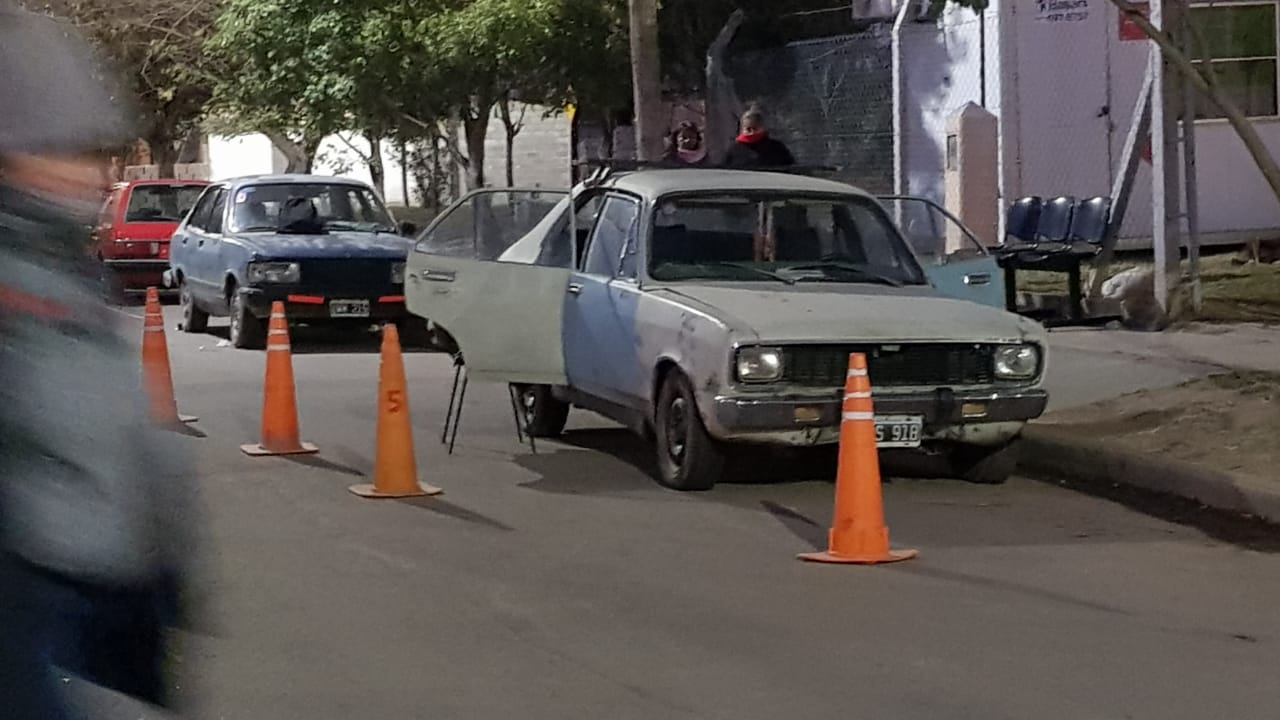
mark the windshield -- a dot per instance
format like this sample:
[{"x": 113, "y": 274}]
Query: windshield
[
  {"x": 310, "y": 207},
  {"x": 778, "y": 238},
  {"x": 161, "y": 203}
]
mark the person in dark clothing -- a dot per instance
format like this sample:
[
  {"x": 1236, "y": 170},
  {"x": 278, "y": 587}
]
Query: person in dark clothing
[
  {"x": 754, "y": 148},
  {"x": 685, "y": 146},
  {"x": 95, "y": 503}
]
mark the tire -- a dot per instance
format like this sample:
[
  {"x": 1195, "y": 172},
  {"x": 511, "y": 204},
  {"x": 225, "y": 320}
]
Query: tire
[
  {"x": 247, "y": 331},
  {"x": 194, "y": 320},
  {"x": 688, "y": 458},
  {"x": 544, "y": 415},
  {"x": 983, "y": 465}
]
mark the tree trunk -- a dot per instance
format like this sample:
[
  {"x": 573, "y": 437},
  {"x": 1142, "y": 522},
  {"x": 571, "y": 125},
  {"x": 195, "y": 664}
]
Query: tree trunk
[
  {"x": 512, "y": 127},
  {"x": 404, "y": 174},
  {"x": 377, "y": 171},
  {"x": 646, "y": 79},
  {"x": 1239, "y": 121},
  {"x": 722, "y": 103},
  {"x": 191, "y": 146},
  {"x": 298, "y": 156},
  {"x": 475, "y": 126},
  {"x": 163, "y": 154}
]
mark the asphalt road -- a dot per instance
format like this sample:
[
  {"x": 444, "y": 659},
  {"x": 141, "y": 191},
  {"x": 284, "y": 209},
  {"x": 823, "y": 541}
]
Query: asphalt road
[{"x": 567, "y": 584}]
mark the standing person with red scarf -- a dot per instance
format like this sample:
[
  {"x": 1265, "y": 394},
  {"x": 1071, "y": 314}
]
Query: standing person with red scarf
[{"x": 754, "y": 148}]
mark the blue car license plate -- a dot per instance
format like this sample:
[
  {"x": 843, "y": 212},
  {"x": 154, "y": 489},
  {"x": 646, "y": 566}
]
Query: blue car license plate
[{"x": 349, "y": 308}]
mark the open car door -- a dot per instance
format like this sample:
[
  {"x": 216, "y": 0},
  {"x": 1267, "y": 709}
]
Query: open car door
[
  {"x": 487, "y": 272},
  {"x": 957, "y": 264}
]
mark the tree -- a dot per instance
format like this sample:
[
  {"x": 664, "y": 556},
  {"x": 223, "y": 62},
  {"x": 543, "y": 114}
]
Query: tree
[
  {"x": 292, "y": 69},
  {"x": 157, "y": 46}
]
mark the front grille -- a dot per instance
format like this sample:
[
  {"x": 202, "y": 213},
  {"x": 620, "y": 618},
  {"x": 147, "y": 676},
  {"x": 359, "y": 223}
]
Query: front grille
[
  {"x": 360, "y": 275},
  {"x": 926, "y": 364}
]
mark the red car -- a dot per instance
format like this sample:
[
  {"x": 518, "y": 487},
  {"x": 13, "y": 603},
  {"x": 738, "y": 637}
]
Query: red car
[{"x": 132, "y": 236}]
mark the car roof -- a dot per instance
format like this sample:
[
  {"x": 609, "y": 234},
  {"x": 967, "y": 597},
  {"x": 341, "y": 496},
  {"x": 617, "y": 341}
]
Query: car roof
[
  {"x": 293, "y": 179},
  {"x": 656, "y": 183}
]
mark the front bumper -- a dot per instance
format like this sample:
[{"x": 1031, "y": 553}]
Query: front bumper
[
  {"x": 986, "y": 417},
  {"x": 311, "y": 308}
]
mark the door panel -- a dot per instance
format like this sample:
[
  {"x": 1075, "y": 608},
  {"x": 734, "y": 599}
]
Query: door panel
[
  {"x": 505, "y": 314},
  {"x": 957, "y": 264},
  {"x": 600, "y": 340},
  {"x": 506, "y": 317}
]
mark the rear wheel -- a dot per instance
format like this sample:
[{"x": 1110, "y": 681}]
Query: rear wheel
[
  {"x": 194, "y": 320},
  {"x": 544, "y": 415},
  {"x": 688, "y": 458},
  {"x": 247, "y": 331}
]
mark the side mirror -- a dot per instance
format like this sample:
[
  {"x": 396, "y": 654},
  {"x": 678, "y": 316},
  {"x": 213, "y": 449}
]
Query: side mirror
[{"x": 408, "y": 229}]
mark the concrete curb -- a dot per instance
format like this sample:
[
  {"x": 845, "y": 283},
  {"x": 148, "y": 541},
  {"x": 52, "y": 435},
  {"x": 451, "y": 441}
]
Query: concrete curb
[{"x": 1046, "y": 451}]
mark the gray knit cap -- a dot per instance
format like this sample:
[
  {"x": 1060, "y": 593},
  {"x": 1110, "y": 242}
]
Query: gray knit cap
[{"x": 55, "y": 93}]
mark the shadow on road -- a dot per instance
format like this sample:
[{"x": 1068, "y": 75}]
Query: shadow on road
[
  {"x": 305, "y": 340},
  {"x": 1245, "y": 531},
  {"x": 457, "y": 512},
  {"x": 319, "y": 463}
]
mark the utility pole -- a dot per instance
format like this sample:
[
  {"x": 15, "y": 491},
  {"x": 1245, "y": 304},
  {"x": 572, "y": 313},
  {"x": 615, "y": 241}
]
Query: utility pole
[{"x": 646, "y": 79}]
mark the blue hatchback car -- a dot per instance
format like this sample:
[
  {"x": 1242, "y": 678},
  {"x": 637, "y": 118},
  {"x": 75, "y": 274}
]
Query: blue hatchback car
[{"x": 327, "y": 247}]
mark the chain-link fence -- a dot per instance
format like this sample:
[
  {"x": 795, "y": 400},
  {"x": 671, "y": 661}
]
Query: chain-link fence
[{"x": 829, "y": 100}]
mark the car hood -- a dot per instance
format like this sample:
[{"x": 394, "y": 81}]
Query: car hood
[
  {"x": 282, "y": 246},
  {"x": 844, "y": 313}
]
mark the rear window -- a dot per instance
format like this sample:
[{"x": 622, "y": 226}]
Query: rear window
[{"x": 161, "y": 203}]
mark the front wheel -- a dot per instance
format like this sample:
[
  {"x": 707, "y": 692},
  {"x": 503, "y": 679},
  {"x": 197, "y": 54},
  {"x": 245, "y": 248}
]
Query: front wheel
[
  {"x": 194, "y": 320},
  {"x": 247, "y": 331},
  {"x": 688, "y": 457},
  {"x": 544, "y": 415},
  {"x": 982, "y": 464}
]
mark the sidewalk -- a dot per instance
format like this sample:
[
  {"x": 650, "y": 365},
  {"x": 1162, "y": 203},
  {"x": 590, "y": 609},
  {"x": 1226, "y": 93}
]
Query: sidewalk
[{"x": 1211, "y": 438}]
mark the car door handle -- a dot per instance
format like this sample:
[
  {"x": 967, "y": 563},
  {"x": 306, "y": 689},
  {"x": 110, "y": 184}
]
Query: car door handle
[
  {"x": 575, "y": 288},
  {"x": 977, "y": 279},
  {"x": 438, "y": 276}
]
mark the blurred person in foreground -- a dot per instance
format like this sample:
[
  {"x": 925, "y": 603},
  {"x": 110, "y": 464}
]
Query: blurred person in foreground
[
  {"x": 754, "y": 148},
  {"x": 94, "y": 503}
]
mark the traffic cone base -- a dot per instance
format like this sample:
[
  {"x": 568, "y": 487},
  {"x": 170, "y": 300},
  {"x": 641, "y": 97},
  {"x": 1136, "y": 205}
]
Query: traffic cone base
[
  {"x": 257, "y": 450},
  {"x": 827, "y": 556},
  {"x": 371, "y": 491}
]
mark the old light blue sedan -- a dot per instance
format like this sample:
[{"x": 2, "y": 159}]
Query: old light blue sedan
[{"x": 707, "y": 308}]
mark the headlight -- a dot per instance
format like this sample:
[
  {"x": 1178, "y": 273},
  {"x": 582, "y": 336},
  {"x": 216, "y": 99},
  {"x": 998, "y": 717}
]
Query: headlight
[
  {"x": 397, "y": 273},
  {"x": 757, "y": 364},
  {"x": 1017, "y": 362},
  {"x": 274, "y": 272}
]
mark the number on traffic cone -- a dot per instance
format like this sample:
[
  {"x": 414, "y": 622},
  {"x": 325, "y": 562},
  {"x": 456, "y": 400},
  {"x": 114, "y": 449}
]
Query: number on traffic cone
[
  {"x": 395, "y": 472},
  {"x": 157, "y": 376},
  {"x": 858, "y": 535},
  {"x": 279, "y": 403}
]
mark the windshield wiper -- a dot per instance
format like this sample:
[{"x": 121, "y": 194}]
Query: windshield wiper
[
  {"x": 850, "y": 268},
  {"x": 761, "y": 272}
]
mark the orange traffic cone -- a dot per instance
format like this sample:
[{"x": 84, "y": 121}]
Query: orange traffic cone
[
  {"x": 859, "y": 534},
  {"x": 279, "y": 404},
  {"x": 395, "y": 472},
  {"x": 156, "y": 374}
]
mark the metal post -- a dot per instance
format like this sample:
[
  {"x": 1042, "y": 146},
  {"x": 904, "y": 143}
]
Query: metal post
[
  {"x": 1164, "y": 154},
  {"x": 1189, "y": 177},
  {"x": 1122, "y": 187}
]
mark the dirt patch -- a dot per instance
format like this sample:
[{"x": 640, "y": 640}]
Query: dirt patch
[{"x": 1229, "y": 422}]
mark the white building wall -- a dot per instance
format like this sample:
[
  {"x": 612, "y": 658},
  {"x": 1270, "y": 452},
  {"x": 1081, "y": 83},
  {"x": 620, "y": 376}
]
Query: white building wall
[
  {"x": 1063, "y": 84},
  {"x": 541, "y": 156}
]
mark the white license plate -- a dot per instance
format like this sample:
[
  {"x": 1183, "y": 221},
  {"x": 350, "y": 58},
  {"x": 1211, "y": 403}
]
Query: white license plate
[
  {"x": 349, "y": 308},
  {"x": 899, "y": 431}
]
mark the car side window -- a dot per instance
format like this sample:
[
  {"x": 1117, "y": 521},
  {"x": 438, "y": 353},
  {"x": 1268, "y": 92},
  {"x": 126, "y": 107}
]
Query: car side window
[
  {"x": 200, "y": 213},
  {"x": 604, "y": 250},
  {"x": 216, "y": 212}
]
